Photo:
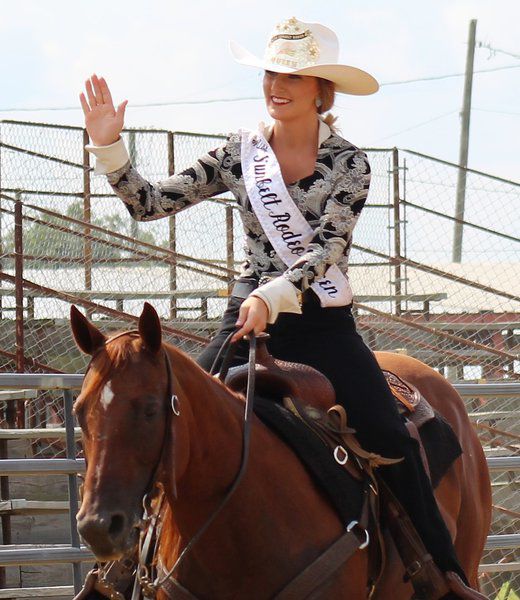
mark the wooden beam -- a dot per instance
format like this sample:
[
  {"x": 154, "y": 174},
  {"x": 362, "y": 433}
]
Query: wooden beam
[{"x": 34, "y": 507}]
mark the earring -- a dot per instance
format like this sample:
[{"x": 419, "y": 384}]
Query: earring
[{"x": 318, "y": 102}]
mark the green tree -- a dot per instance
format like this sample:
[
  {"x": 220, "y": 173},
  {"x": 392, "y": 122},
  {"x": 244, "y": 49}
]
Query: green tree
[{"x": 52, "y": 237}]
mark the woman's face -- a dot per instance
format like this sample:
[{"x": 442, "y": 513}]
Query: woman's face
[{"x": 290, "y": 96}]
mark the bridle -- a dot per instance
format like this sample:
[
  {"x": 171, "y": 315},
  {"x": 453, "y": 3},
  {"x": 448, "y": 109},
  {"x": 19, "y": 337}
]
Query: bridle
[
  {"x": 144, "y": 581},
  {"x": 151, "y": 587}
]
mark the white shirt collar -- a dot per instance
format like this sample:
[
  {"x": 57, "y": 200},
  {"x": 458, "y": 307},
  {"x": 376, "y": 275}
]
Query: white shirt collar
[{"x": 323, "y": 131}]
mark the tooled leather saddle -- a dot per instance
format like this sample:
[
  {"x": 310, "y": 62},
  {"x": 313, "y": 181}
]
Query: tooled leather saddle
[{"x": 282, "y": 379}]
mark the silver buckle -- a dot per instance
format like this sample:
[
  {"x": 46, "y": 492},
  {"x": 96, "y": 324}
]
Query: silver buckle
[
  {"x": 351, "y": 526},
  {"x": 413, "y": 569},
  {"x": 340, "y": 459},
  {"x": 176, "y": 405}
]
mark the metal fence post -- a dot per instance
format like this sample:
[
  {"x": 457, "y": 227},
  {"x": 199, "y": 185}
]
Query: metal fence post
[
  {"x": 73, "y": 486},
  {"x": 87, "y": 216},
  {"x": 6, "y": 519},
  {"x": 18, "y": 273},
  {"x": 1, "y": 228},
  {"x": 397, "y": 230},
  {"x": 132, "y": 154},
  {"x": 230, "y": 244},
  {"x": 172, "y": 232}
]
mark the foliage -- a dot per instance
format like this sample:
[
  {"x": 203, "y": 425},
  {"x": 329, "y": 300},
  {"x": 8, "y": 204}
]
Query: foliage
[
  {"x": 507, "y": 593},
  {"x": 54, "y": 240}
]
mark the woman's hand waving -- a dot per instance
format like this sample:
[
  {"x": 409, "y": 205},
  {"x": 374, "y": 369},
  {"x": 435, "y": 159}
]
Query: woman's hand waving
[{"x": 103, "y": 122}]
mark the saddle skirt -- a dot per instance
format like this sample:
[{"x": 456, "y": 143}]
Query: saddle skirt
[{"x": 410, "y": 402}]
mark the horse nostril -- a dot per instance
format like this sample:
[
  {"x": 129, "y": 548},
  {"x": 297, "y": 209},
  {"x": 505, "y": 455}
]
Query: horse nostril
[{"x": 117, "y": 525}]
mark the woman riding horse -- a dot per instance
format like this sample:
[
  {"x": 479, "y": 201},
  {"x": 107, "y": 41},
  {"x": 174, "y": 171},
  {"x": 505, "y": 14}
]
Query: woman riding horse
[{"x": 300, "y": 188}]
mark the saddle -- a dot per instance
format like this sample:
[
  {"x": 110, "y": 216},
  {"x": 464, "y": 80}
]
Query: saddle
[{"x": 281, "y": 379}]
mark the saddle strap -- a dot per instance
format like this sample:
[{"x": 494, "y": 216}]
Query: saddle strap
[
  {"x": 426, "y": 578},
  {"x": 414, "y": 432},
  {"x": 337, "y": 424},
  {"x": 305, "y": 585}
]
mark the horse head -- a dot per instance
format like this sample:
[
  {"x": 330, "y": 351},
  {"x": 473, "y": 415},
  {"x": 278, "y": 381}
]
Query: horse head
[{"x": 123, "y": 410}]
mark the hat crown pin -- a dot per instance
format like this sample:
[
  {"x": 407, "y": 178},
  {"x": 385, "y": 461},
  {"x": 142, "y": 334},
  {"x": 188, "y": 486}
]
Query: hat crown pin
[{"x": 292, "y": 45}]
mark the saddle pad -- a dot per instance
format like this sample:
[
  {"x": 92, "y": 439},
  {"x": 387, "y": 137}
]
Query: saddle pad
[
  {"x": 441, "y": 446},
  {"x": 344, "y": 493}
]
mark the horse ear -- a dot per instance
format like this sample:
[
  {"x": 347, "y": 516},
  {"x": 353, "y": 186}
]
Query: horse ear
[
  {"x": 150, "y": 328},
  {"x": 87, "y": 336}
]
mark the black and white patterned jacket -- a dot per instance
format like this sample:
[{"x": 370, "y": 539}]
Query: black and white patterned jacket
[{"x": 330, "y": 199}]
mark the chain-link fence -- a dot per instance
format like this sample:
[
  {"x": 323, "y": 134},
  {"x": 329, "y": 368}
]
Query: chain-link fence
[{"x": 433, "y": 268}]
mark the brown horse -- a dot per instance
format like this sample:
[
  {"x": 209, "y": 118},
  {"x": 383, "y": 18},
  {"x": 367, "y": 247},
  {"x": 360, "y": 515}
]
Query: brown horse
[{"x": 277, "y": 522}]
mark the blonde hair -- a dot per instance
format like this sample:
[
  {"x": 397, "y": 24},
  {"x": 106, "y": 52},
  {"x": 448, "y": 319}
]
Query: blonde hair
[{"x": 327, "y": 91}]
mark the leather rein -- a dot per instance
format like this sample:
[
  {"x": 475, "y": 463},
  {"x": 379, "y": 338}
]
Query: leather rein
[{"x": 308, "y": 580}]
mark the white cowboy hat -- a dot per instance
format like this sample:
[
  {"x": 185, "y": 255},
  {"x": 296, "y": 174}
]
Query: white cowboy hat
[{"x": 307, "y": 49}]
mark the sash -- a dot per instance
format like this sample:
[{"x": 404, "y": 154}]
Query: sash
[{"x": 282, "y": 221}]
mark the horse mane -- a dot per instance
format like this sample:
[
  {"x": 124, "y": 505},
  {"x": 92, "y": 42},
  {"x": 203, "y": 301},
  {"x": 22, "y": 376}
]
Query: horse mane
[
  {"x": 183, "y": 365},
  {"x": 187, "y": 365},
  {"x": 170, "y": 539}
]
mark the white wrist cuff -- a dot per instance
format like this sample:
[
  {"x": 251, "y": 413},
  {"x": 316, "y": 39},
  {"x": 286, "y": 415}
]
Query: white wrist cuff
[
  {"x": 280, "y": 295},
  {"x": 109, "y": 158}
]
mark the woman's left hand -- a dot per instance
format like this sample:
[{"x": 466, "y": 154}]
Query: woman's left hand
[{"x": 252, "y": 316}]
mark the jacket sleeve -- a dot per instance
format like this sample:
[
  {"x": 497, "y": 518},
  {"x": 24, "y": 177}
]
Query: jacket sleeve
[
  {"x": 332, "y": 238},
  {"x": 147, "y": 201}
]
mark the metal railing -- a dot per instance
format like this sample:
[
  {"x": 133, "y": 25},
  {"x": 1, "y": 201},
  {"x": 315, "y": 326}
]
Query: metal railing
[{"x": 70, "y": 466}]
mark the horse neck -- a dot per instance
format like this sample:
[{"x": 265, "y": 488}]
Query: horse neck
[{"x": 208, "y": 432}]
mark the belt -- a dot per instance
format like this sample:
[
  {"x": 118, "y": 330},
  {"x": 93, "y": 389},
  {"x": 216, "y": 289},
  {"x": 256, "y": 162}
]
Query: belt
[{"x": 243, "y": 287}]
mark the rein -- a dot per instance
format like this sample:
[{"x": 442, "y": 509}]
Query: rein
[{"x": 149, "y": 587}]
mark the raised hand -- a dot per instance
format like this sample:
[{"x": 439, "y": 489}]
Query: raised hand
[{"x": 103, "y": 122}]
